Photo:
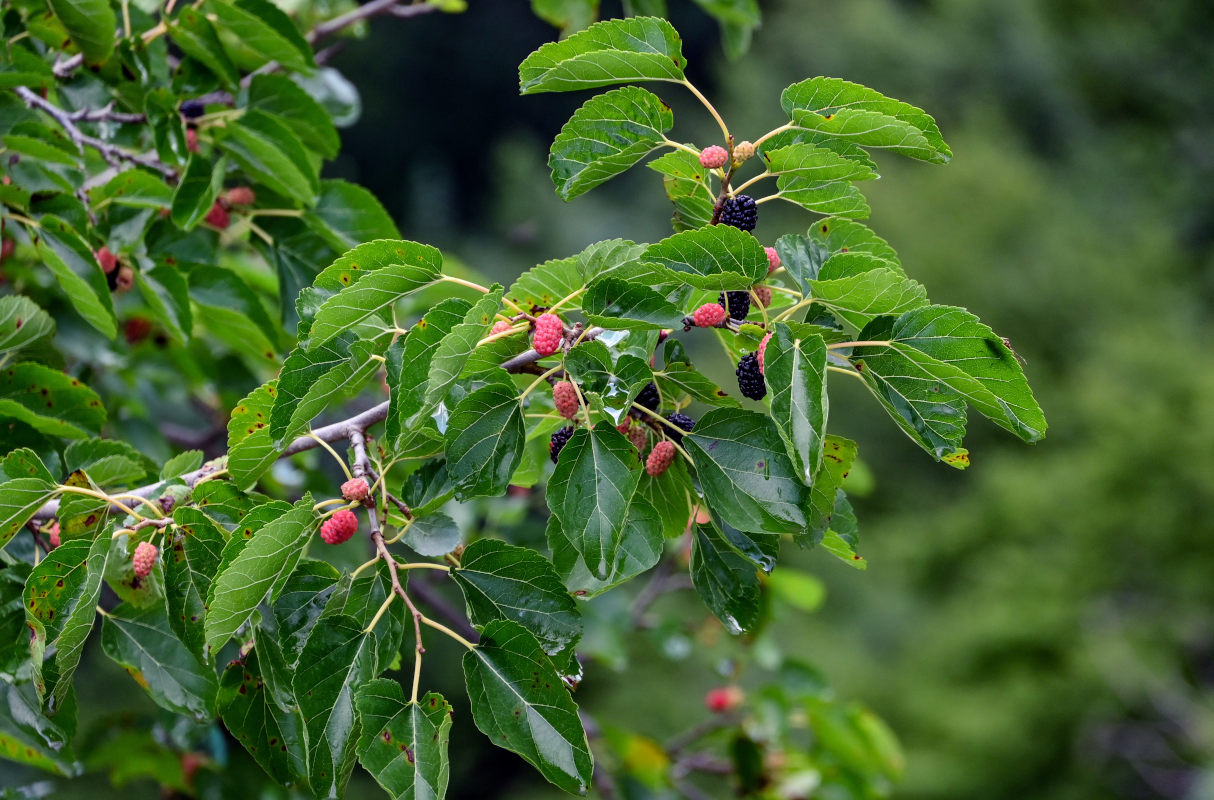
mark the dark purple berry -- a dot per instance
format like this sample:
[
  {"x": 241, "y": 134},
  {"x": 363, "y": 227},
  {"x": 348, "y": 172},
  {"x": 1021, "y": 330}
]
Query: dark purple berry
[
  {"x": 192, "y": 109},
  {"x": 740, "y": 212},
  {"x": 649, "y": 397},
  {"x": 736, "y": 304},
  {"x": 680, "y": 421},
  {"x": 750, "y": 378},
  {"x": 559, "y": 440}
]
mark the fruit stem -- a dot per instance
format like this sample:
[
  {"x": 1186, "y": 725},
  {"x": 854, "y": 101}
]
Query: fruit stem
[
  {"x": 538, "y": 381},
  {"x": 851, "y": 372},
  {"x": 101, "y": 496},
  {"x": 711, "y": 110},
  {"x": 764, "y": 174},
  {"x": 571, "y": 296},
  {"x": 788, "y": 126},
  {"x": 438, "y": 626},
  {"x": 341, "y": 462},
  {"x": 841, "y": 345},
  {"x": 681, "y": 146}
]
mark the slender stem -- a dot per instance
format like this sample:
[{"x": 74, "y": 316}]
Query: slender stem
[
  {"x": 100, "y": 496},
  {"x": 566, "y": 299},
  {"x": 423, "y": 565},
  {"x": 417, "y": 672},
  {"x": 851, "y": 372},
  {"x": 776, "y": 196},
  {"x": 363, "y": 566},
  {"x": 681, "y": 146},
  {"x": 382, "y": 608},
  {"x": 786, "y": 127},
  {"x": 341, "y": 462},
  {"x": 762, "y": 308},
  {"x": 538, "y": 381},
  {"x": 461, "y": 281},
  {"x": 329, "y": 502},
  {"x": 438, "y": 626},
  {"x": 582, "y": 402},
  {"x": 111, "y": 153},
  {"x": 276, "y": 212},
  {"x": 711, "y": 110},
  {"x": 502, "y": 334},
  {"x": 764, "y": 174},
  {"x": 788, "y": 312}
]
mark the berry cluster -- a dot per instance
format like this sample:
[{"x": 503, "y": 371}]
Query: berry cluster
[
  {"x": 144, "y": 559},
  {"x": 750, "y": 378},
  {"x": 564, "y": 397},
  {"x": 339, "y": 527},
  {"x": 740, "y": 212},
  {"x": 549, "y": 331}
]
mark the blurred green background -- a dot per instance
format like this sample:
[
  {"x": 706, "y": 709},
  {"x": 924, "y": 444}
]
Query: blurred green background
[{"x": 1041, "y": 625}]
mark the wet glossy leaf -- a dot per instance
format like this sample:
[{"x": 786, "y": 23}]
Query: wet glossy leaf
[
  {"x": 616, "y": 51},
  {"x": 404, "y": 744},
  {"x": 520, "y": 703},
  {"x": 795, "y": 370},
  {"x": 273, "y": 737}
]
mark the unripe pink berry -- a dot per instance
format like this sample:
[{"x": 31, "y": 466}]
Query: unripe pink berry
[
  {"x": 773, "y": 259},
  {"x": 762, "y": 351},
  {"x": 241, "y": 196},
  {"x": 54, "y": 534},
  {"x": 125, "y": 279},
  {"x": 743, "y": 151},
  {"x": 724, "y": 699},
  {"x": 355, "y": 489},
  {"x": 639, "y": 437},
  {"x": 714, "y": 157},
  {"x": 763, "y": 295},
  {"x": 501, "y": 326},
  {"x": 709, "y": 315},
  {"x": 564, "y": 397},
  {"x": 144, "y": 559},
  {"x": 660, "y": 458},
  {"x": 107, "y": 260},
  {"x": 218, "y": 216},
  {"x": 339, "y": 527},
  {"x": 191, "y": 140},
  {"x": 549, "y": 330}
]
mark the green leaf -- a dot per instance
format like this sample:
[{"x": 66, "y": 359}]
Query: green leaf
[
  {"x": 795, "y": 370},
  {"x": 950, "y": 345},
  {"x": 615, "y": 384},
  {"x": 504, "y": 581},
  {"x": 295, "y": 108},
  {"x": 141, "y": 641},
  {"x": 167, "y": 293},
  {"x": 849, "y": 236},
  {"x": 453, "y": 351},
  {"x": 686, "y": 184},
  {"x": 262, "y": 28},
  {"x": 194, "y": 34},
  {"x": 196, "y": 193},
  {"x": 337, "y": 659},
  {"x": 346, "y": 215},
  {"x": 520, "y": 703},
  {"x": 273, "y": 737},
  {"x": 867, "y": 129},
  {"x": 841, "y": 540},
  {"x": 311, "y": 380},
  {"x": 825, "y": 96},
  {"x": 251, "y": 449},
  {"x": 679, "y": 380},
  {"x": 544, "y": 284},
  {"x": 640, "y": 547},
  {"x": 360, "y": 598},
  {"x": 606, "y": 256},
  {"x": 300, "y": 603},
  {"x": 180, "y": 464},
  {"x": 60, "y": 606},
  {"x": 409, "y": 381},
  {"x": 404, "y": 744},
  {"x": 49, "y": 401},
  {"x": 78, "y": 274},
  {"x": 800, "y": 590},
  {"x": 859, "y": 298},
  {"x": 608, "y": 134},
  {"x": 22, "y": 322},
  {"x": 370, "y": 300},
  {"x": 28, "y": 737},
  {"x": 616, "y": 303},
  {"x": 714, "y": 258},
  {"x": 91, "y": 25},
  {"x": 817, "y": 179},
  {"x": 24, "y": 463},
  {"x": 727, "y": 582},
  {"x": 484, "y": 441},
  {"x": 268, "y": 151},
  {"x": 615, "y": 51},
  {"x": 746, "y": 476},
  {"x": 590, "y": 491},
  {"x": 190, "y": 563},
  {"x": 434, "y": 534},
  {"x": 258, "y": 572},
  {"x": 136, "y": 188},
  {"x": 927, "y": 409}
]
